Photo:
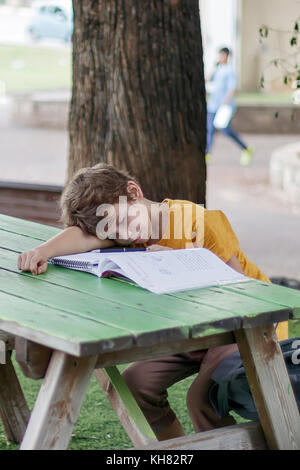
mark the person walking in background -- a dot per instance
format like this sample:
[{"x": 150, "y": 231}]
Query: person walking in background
[{"x": 221, "y": 104}]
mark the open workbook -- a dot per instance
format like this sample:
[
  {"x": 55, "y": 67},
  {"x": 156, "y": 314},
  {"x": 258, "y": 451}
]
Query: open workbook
[{"x": 160, "y": 272}]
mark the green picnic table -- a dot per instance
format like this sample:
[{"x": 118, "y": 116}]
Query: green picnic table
[{"x": 89, "y": 325}]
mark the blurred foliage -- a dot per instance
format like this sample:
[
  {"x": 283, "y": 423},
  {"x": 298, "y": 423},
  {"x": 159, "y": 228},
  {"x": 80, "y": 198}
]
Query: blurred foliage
[{"x": 289, "y": 64}]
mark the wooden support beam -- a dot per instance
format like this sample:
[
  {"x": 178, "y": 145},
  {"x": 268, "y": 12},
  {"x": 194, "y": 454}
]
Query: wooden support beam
[
  {"x": 2, "y": 352},
  {"x": 164, "y": 349},
  {"x": 125, "y": 406},
  {"x": 270, "y": 386},
  {"x": 13, "y": 407},
  {"x": 6, "y": 344},
  {"x": 32, "y": 358},
  {"x": 58, "y": 403},
  {"x": 246, "y": 436}
]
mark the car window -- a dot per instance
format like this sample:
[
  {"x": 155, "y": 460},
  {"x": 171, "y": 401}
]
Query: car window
[{"x": 57, "y": 12}]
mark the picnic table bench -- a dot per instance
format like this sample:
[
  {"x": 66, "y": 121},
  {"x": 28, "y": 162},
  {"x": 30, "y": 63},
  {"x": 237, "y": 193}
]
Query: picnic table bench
[{"x": 74, "y": 324}]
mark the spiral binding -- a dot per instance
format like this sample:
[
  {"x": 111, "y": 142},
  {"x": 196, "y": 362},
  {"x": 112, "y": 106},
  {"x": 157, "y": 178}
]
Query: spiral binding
[{"x": 72, "y": 264}]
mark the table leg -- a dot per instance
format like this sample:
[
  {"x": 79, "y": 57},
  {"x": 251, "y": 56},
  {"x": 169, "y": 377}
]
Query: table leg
[
  {"x": 125, "y": 406},
  {"x": 32, "y": 358},
  {"x": 58, "y": 403},
  {"x": 270, "y": 386},
  {"x": 13, "y": 407},
  {"x": 2, "y": 352}
]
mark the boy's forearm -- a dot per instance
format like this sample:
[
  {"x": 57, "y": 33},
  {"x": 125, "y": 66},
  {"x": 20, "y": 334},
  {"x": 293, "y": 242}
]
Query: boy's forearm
[
  {"x": 229, "y": 96},
  {"x": 72, "y": 240}
]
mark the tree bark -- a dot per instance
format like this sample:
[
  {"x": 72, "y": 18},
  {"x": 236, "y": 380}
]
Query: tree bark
[{"x": 138, "y": 98}]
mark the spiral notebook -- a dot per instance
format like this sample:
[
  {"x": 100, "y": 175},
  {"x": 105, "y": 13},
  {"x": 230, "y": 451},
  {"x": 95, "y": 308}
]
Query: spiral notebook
[{"x": 160, "y": 272}]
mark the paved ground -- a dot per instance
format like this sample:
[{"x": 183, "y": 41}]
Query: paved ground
[
  {"x": 31, "y": 155},
  {"x": 268, "y": 228}
]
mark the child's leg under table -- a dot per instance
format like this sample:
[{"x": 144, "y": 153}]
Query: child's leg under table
[{"x": 149, "y": 380}]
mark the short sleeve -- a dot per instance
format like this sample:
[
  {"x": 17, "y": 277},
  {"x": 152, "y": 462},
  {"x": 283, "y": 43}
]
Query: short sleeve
[
  {"x": 219, "y": 236},
  {"x": 232, "y": 80}
]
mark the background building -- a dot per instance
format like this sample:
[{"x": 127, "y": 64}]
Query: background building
[{"x": 236, "y": 23}]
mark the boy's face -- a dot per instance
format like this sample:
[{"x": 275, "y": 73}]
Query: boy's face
[
  {"x": 133, "y": 223},
  {"x": 126, "y": 222},
  {"x": 223, "y": 57}
]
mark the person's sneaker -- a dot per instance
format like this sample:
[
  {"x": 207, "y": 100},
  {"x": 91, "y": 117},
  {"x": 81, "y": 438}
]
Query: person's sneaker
[
  {"x": 208, "y": 158},
  {"x": 246, "y": 156}
]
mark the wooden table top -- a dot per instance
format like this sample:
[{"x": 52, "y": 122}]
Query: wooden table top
[{"x": 82, "y": 315}]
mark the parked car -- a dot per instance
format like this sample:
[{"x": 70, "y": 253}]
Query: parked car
[{"x": 51, "y": 20}]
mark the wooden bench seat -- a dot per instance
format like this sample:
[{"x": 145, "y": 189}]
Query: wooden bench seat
[{"x": 246, "y": 436}]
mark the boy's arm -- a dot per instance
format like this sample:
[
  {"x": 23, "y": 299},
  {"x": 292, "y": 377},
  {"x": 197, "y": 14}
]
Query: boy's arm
[
  {"x": 229, "y": 96},
  {"x": 70, "y": 240},
  {"x": 232, "y": 87},
  {"x": 235, "y": 264}
]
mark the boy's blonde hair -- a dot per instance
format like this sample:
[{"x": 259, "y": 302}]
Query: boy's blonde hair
[{"x": 88, "y": 189}]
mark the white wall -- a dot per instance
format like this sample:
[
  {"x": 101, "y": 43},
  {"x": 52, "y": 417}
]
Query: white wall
[
  {"x": 280, "y": 15},
  {"x": 219, "y": 29}
]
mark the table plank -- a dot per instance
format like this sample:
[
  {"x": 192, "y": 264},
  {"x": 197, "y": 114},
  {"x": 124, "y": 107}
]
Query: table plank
[
  {"x": 123, "y": 293},
  {"x": 28, "y": 228},
  {"x": 253, "y": 311},
  {"x": 38, "y": 323},
  {"x": 17, "y": 242},
  {"x": 269, "y": 292},
  {"x": 86, "y": 307}
]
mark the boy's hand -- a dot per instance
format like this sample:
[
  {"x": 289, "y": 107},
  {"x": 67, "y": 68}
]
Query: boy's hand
[
  {"x": 158, "y": 248},
  {"x": 34, "y": 261}
]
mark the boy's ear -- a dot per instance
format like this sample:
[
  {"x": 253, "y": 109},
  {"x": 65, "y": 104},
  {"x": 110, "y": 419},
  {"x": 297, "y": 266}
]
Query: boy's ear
[{"x": 134, "y": 190}]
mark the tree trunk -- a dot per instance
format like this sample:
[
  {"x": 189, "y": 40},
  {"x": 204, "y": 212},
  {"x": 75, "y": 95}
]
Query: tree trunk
[{"x": 138, "y": 97}]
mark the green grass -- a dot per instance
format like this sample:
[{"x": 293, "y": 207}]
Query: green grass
[
  {"x": 27, "y": 68},
  {"x": 267, "y": 99},
  {"x": 24, "y": 68},
  {"x": 97, "y": 427}
]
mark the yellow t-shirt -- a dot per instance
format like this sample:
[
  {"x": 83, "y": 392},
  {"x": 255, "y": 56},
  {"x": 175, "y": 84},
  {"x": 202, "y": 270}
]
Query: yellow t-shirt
[{"x": 192, "y": 225}]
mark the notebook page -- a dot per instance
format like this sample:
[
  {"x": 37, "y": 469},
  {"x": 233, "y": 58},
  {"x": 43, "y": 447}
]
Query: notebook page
[
  {"x": 107, "y": 267},
  {"x": 176, "y": 270}
]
